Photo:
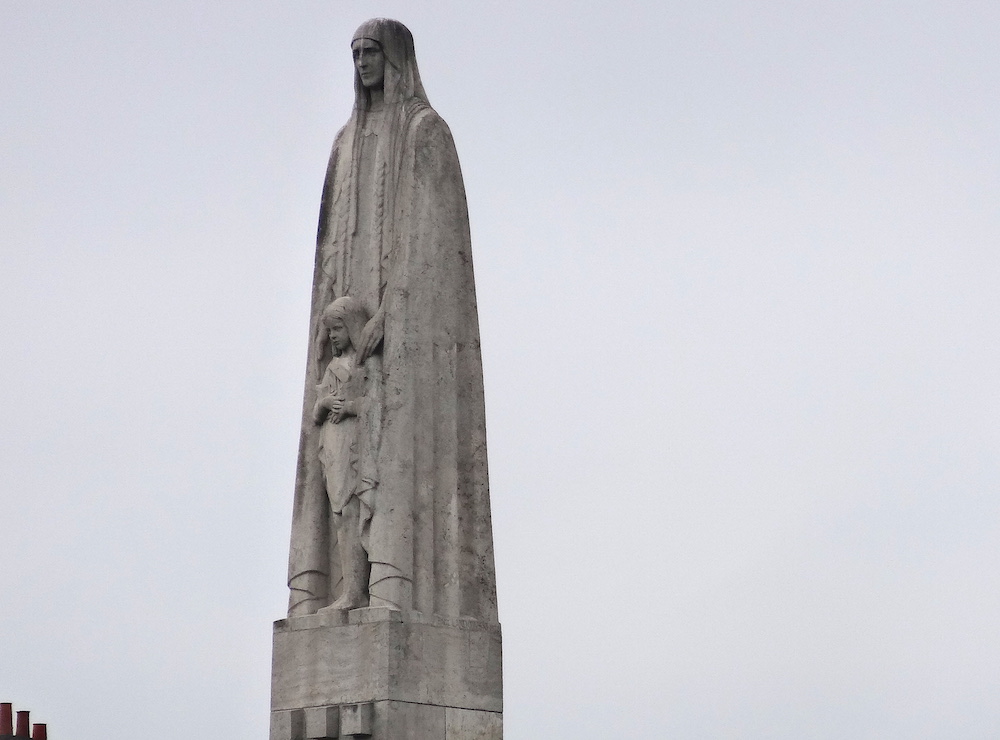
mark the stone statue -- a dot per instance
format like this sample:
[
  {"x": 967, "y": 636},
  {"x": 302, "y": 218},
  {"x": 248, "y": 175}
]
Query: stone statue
[
  {"x": 392, "y": 625},
  {"x": 340, "y": 399},
  {"x": 391, "y": 499}
]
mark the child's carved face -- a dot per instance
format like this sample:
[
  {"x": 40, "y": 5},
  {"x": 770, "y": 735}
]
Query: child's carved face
[{"x": 339, "y": 337}]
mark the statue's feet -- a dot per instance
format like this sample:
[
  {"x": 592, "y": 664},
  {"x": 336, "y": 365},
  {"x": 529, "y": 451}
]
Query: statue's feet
[{"x": 345, "y": 602}]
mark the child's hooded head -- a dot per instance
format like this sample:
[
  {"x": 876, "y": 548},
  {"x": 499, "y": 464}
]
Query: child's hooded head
[{"x": 346, "y": 312}]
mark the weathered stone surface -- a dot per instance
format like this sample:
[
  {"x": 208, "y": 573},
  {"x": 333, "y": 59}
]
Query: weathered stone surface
[
  {"x": 400, "y": 720},
  {"x": 391, "y": 720},
  {"x": 356, "y": 719},
  {"x": 391, "y": 496},
  {"x": 392, "y": 626},
  {"x": 470, "y": 724},
  {"x": 403, "y": 721},
  {"x": 379, "y": 656},
  {"x": 288, "y": 724},
  {"x": 322, "y": 723}
]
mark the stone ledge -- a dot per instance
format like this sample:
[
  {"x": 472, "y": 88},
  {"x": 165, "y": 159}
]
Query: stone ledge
[
  {"x": 379, "y": 657},
  {"x": 386, "y": 720},
  {"x": 372, "y": 615}
]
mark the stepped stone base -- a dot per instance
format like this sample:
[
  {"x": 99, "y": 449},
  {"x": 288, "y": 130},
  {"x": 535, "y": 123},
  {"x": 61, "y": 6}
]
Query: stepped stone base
[{"x": 387, "y": 675}]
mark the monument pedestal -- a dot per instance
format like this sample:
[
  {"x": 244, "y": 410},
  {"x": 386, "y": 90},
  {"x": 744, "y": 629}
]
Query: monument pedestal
[{"x": 386, "y": 675}]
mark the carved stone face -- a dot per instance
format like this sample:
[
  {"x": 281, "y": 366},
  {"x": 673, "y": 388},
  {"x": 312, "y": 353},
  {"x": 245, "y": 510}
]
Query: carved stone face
[
  {"x": 339, "y": 337},
  {"x": 369, "y": 60}
]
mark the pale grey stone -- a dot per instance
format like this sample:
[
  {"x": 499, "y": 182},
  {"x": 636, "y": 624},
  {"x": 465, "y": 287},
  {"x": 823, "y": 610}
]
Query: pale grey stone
[
  {"x": 322, "y": 723},
  {"x": 356, "y": 720},
  {"x": 392, "y": 499},
  {"x": 379, "y": 614},
  {"x": 288, "y": 724},
  {"x": 392, "y": 619},
  {"x": 397, "y": 720},
  {"x": 455, "y": 663},
  {"x": 470, "y": 724},
  {"x": 321, "y": 619}
]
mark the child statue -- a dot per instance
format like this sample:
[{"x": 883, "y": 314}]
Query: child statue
[{"x": 340, "y": 400}]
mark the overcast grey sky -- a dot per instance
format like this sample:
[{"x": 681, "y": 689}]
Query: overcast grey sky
[{"x": 738, "y": 282}]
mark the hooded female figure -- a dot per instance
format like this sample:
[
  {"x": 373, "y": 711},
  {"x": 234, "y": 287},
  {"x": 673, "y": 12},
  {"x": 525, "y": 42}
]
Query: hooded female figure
[{"x": 394, "y": 235}]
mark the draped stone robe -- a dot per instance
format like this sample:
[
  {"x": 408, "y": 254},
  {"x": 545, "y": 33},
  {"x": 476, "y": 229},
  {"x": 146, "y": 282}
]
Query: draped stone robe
[{"x": 394, "y": 233}]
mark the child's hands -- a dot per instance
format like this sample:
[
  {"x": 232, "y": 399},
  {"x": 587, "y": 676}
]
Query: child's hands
[
  {"x": 343, "y": 409},
  {"x": 334, "y": 403},
  {"x": 328, "y": 405}
]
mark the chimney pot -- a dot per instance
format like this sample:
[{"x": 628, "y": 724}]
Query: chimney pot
[
  {"x": 6, "y": 719},
  {"x": 22, "y": 724}
]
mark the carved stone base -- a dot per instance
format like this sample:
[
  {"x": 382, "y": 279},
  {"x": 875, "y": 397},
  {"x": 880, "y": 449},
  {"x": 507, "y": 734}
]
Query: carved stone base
[{"x": 385, "y": 675}]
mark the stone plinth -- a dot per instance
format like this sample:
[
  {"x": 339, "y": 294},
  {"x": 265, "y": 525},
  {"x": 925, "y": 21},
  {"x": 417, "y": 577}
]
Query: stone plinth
[{"x": 386, "y": 675}]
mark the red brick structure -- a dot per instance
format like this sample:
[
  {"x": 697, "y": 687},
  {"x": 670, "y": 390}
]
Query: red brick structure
[{"x": 18, "y": 730}]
